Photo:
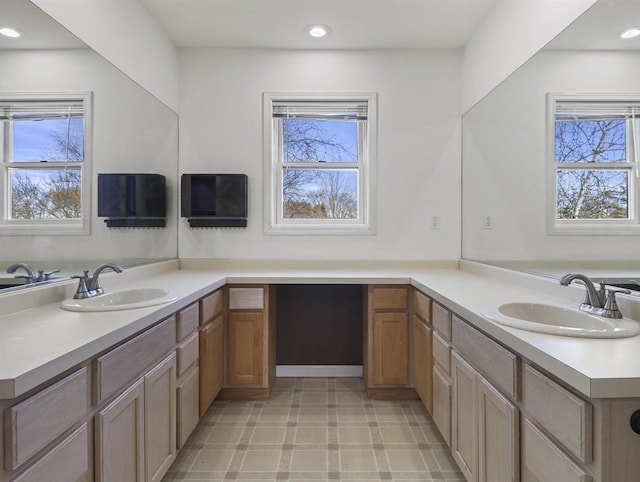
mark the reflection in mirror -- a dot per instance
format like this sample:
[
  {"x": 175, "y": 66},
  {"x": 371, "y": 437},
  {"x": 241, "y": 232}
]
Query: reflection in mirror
[
  {"x": 133, "y": 132},
  {"x": 508, "y": 170}
]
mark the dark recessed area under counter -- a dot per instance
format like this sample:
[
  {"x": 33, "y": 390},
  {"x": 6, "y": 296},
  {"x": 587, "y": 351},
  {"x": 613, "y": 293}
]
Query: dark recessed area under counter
[{"x": 319, "y": 324}]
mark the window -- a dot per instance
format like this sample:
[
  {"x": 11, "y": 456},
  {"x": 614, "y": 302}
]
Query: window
[
  {"x": 44, "y": 163},
  {"x": 319, "y": 161},
  {"x": 595, "y": 170}
]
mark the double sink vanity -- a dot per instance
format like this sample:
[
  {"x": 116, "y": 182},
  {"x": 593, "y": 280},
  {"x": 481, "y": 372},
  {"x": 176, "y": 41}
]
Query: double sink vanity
[{"x": 110, "y": 388}]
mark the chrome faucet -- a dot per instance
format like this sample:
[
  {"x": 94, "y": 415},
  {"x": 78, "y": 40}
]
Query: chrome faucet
[
  {"x": 89, "y": 285},
  {"x": 601, "y": 302},
  {"x": 31, "y": 275}
]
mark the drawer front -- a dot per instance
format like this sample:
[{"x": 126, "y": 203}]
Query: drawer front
[
  {"x": 442, "y": 404},
  {"x": 246, "y": 298},
  {"x": 570, "y": 420},
  {"x": 390, "y": 298},
  {"x": 441, "y": 319},
  {"x": 188, "y": 399},
  {"x": 543, "y": 460},
  {"x": 122, "y": 364},
  {"x": 28, "y": 429},
  {"x": 188, "y": 354},
  {"x": 498, "y": 364},
  {"x": 442, "y": 353},
  {"x": 422, "y": 305},
  {"x": 211, "y": 306},
  {"x": 187, "y": 321},
  {"x": 69, "y": 460}
]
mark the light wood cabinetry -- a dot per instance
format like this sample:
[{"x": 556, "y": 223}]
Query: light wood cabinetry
[
  {"x": 388, "y": 373},
  {"x": 211, "y": 340},
  {"x": 136, "y": 433},
  {"x": 250, "y": 342},
  {"x": 441, "y": 412},
  {"x": 423, "y": 349},
  {"x": 485, "y": 439}
]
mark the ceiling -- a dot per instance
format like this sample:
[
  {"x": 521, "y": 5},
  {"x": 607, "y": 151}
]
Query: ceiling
[{"x": 354, "y": 24}]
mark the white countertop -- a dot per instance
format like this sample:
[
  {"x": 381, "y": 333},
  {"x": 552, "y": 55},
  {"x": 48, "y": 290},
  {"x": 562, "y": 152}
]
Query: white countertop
[{"x": 38, "y": 340}]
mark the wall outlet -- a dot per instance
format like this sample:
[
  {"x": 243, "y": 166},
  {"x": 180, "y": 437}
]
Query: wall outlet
[
  {"x": 435, "y": 222},
  {"x": 487, "y": 221}
]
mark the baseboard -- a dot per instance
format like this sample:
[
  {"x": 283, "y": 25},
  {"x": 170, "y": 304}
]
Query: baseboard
[
  {"x": 329, "y": 371},
  {"x": 391, "y": 393},
  {"x": 247, "y": 393}
]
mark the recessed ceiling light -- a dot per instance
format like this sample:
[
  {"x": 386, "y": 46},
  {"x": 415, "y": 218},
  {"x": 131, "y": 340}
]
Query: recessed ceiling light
[
  {"x": 9, "y": 32},
  {"x": 317, "y": 31},
  {"x": 630, "y": 33}
]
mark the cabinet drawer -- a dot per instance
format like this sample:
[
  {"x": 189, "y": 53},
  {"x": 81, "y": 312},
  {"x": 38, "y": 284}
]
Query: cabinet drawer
[
  {"x": 570, "y": 418},
  {"x": 441, "y": 319},
  {"x": 246, "y": 298},
  {"x": 39, "y": 419},
  {"x": 422, "y": 305},
  {"x": 187, "y": 353},
  {"x": 211, "y": 306},
  {"x": 122, "y": 364},
  {"x": 498, "y": 364},
  {"x": 543, "y": 460},
  {"x": 188, "y": 396},
  {"x": 442, "y": 404},
  {"x": 187, "y": 321},
  {"x": 442, "y": 353},
  {"x": 69, "y": 460},
  {"x": 390, "y": 298}
]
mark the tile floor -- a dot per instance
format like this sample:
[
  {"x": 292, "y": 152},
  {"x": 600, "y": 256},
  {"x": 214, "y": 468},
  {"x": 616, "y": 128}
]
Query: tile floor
[{"x": 315, "y": 429}]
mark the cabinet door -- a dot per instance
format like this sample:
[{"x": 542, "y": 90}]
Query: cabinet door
[
  {"x": 245, "y": 348},
  {"x": 390, "y": 348},
  {"x": 211, "y": 362},
  {"x": 187, "y": 406},
  {"x": 464, "y": 425},
  {"x": 423, "y": 362},
  {"x": 442, "y": 404},
  {"x": 160, "y": 418},
  {"x": 120, "y": 437},
  {"x": 498, "y": 442}
]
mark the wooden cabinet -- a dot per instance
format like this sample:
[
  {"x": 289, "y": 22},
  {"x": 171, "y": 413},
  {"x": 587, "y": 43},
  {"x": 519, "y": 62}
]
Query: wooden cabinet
[
  {"x": 388, "y": 350},
  {"x": 484, "y": 427},
  {"x": 211, "y": 348},
  {"x": 250, "y": 342},
  {"x": 464, "y": 417},
  {"x": 120, "y": 437},
  {"x": 246, "y": 348},
  {"x": 135, "y": 434},
  {"x": 441, "y": 382},
  {"x": 423, "y": 362}
]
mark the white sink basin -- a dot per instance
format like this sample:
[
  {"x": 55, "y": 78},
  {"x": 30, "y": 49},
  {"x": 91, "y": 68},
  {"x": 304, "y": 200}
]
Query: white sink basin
[
  {"x": 559, "y": 320},
  {"x": 120, "y": 300}
]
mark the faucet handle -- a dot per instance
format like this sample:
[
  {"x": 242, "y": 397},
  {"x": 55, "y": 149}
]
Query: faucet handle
[
  {"x": 82, "y": 291},
  {"x": 45, "y": 276},
  {"x": 611, "y": 307}
]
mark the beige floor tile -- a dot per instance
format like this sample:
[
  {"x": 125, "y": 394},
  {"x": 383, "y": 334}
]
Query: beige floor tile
[
  {"x": 314, "y": 398},
  {"x": 406, "y": 461},
  {"x": 314, "y": 414},
  {"x": 351, "y": 414},
  {"x": 358, "y": 461},
  {"x": 268, "y": 435},
  {"x": 311, "y": 435},
  {"x": 349, "y": 397},
  {"x": 354, "y": 435},
  {"x": 212, "y": 461},
  {"x": 309, "y": 461},
  {"x": 397, "y": 435},
  {"x": 260, "y": 461},
  {"x": 315, "y": 384},
  {"x": 224, "y": 435}
]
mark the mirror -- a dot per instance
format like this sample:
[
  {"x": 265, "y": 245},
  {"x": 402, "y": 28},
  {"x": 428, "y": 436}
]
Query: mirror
[
  {"x": 133, "y": 132},
  {"x": 504, "y": 167}
]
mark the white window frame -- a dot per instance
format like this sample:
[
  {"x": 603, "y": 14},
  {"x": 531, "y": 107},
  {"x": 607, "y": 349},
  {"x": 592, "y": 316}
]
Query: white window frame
[
  {"x": 627, "y": 226},
  {"x": 19, "y": 227},
  {"x": 274, "y": 223}
]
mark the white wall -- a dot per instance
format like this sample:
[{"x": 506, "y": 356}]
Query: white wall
[
  {"x": 418, "y": 145},
  {"x": 505, "y": 159},
  {"x": 132, "y": 132},
  {"x": 513, "y": 32},
  {"x": 125, "y": 34}
]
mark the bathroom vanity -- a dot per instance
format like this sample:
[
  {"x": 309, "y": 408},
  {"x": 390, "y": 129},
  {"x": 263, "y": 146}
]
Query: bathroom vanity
[{"x": 82, "y": 389}]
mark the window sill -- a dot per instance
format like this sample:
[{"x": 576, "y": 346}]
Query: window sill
[
  {"x": 592, "y": 229},
  {"x": 315, "y": 229}
]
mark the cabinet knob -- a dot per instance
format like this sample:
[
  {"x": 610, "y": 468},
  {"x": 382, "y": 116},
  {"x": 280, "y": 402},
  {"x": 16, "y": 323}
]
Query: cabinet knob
[{"x": 634, "y": 421}]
